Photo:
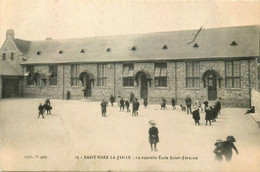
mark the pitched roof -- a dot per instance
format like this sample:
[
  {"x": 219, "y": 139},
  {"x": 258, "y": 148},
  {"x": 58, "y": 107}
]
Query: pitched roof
[
  {"x": 22, "y": 45},
  {"x": 211, "y": 43},
  {"x": 8, "y": 70}
]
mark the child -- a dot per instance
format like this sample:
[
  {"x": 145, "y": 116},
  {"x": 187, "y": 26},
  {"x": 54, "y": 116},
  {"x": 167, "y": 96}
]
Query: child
[
  {"x": 196, "y": 115},
  {"x": 153, "y": 135},
  {"x": 40, "y": 108},
  {"x": 112, "y": 100},
  {"x": 218, "y": 150},
  {"x": 127, "y": 104},
  {"x": 208, "y": 115},
  {"x": 163, "y": 104},
  {"x": 122, "y": 104},
  {"x": 173, "y": 103},
  {"x": 228, "y": 146}
]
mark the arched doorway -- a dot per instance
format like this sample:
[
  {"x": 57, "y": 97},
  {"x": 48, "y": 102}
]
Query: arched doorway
[
  {"x": 143, "y": 86},
  {"x": 86, "y": 79},
  {"x": 143, "y": 79},
  {"x": 210, "y": 78},
  {"x": 212, "y": 86}
]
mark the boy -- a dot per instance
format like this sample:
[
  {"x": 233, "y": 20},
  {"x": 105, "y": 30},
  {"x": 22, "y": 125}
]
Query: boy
[{"x": 40, "y": 108}]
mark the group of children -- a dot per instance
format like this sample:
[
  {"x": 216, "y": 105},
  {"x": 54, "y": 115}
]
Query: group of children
[
  {"x": 45, "y": 107},
  {"x": 212, "y": 112}
]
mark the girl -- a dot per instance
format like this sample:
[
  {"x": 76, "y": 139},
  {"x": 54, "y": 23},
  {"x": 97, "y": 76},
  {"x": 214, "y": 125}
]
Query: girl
[{"x": 153, "y": 135}]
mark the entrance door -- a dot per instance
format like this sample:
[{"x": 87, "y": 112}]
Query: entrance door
[
  {"x": 10, "y": 88},
  {"x": 144, "y": 86},
  {"x": 87, "y": 84},
  {"x": 212, "y": 87}
]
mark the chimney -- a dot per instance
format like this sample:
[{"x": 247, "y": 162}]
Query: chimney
[
  {"x": 48, "y": 38},
  {"x": 10, "y": 32}
]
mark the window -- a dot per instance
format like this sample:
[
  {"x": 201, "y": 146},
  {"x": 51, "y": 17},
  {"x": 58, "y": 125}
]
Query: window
[
  {"x": 74, "y": 75},
  {"x": 54, "y": 73},
  {"x": 233, "y": 74},
  {"x": 29, "y": 78},
  {"x": 192, "y": 74},
  {"x": 108, "y": 50},
  {"x": 61, "y": 52},
  {"x": 165, "y": 47},
  {"x": 3, "y": 56},
  {"x": 12, "y": 56},
  {"x": 39, "y": 53},
  {"x": 160, "y": 75},
  {"x": 128, "y": 75},
  {"x": 82, "y": 51},
  {"x": 102, "y": 76},
  {"x": 133, "y": 48}
]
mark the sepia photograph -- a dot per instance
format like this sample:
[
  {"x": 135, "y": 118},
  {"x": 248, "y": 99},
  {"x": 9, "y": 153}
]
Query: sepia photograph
[{"x": 134, "y": 85}]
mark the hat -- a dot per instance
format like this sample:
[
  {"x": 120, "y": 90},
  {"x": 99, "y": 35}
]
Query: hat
[
  {"x": 231, "y": 139},
  {"x": 218, "y": 141},
  {"x": 195, "y": 107},
  {"x": 152, "y": 123}
]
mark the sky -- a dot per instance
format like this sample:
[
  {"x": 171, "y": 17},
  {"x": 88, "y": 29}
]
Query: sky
[{"x": 38, "y": 19}]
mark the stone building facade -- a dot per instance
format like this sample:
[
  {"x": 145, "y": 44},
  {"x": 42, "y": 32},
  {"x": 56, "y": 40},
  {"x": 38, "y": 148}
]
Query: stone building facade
[{"x": 151, "y": 65}]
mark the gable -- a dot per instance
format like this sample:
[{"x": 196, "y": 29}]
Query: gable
[{"x": 9, "y": 46}]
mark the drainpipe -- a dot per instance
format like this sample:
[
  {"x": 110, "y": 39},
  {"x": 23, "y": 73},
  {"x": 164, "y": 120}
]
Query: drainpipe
[
  {"x": 175, "y": 70},
  {"x": 63, "y": 82},
  {"x": 249, "y": 83},
  {"x": 114, "y": 80}
]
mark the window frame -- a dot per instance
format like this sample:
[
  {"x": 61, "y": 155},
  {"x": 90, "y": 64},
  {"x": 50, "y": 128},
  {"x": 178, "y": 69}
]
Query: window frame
[
  {"x": 102, "y": 75},
  {"x": 232, "y": 77},
  {"x": 54, "y": 75},
  {"x": 12, "y": 56},
  {"x": 128, "y": 81},
  {"x": 159, "y": 80},
  {"x": 193, "y": 76}
]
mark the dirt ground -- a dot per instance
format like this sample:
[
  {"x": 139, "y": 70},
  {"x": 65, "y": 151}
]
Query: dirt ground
[{"x": 76, "y": 137}]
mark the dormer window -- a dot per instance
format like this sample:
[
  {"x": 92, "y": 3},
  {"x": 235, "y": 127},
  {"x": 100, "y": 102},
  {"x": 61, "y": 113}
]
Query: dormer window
[
  {"x": 82, "y": 51},
  {"x": 133, "y": 48},
  {"x": 165, "y": 47},
  {"x": 39, "y": 53},
  {"x": 108, "y": 50},
  {"x": 61, "y": 52},
  {"x": 195, "y": 45},
  {"x": 233, "y": 43}
]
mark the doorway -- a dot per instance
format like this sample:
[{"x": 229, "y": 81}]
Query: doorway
[
  {"x": 144, "y": 86},
  {"x": 212, "y": 86}
]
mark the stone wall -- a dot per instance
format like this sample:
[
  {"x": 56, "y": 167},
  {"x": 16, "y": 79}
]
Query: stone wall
[{"x": 230, "y": 96}]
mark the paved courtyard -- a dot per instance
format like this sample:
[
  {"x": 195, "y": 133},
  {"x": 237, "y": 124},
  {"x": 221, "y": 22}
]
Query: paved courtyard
[{"x": 77, "y": 137}]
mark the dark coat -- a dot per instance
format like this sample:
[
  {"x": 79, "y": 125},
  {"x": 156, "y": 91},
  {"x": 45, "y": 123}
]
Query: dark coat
[
  {"x": 188, "y": 101},
  {"x": 122, "y": 102},
  {"x": 127, "y": 103},
  {"x": 227, "y": 148},
  {"x": 153, "y": 135},
  {"x": 214, "y": 112},
  {"x": 173, "y": 102},
  {"x": 208, "y": 115},
  {"x": 103, "y": 106},
  {"x": 47, "y": 105},
  {"x": 112, "y": 99},
  {"x": 196, "y": 114},
  {"x": 40, "y": 108},
  {"x": 137, "y": 104}
]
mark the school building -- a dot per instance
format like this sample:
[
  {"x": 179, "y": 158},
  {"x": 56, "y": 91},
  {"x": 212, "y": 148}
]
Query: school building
[{"x": 205, "y": 63}]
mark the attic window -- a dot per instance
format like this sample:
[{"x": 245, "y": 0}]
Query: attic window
[
  {"x": 61, "y": 52},
  {"x": 108, "y": 50},
  {"x": 165, "y": 47},
  {"x": 82, "y": 51},
  {"x": 233, "y": 43},
  {"x": 39, "y": 53},
  {"x": 134, "y": 48},
  {"x": 195, "y": 45}
]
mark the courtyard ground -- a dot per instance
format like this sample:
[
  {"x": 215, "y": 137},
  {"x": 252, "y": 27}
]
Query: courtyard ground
[{"x": 76, "y": 137}]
